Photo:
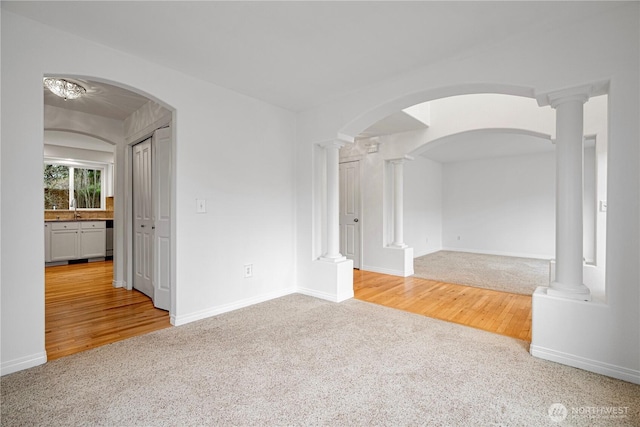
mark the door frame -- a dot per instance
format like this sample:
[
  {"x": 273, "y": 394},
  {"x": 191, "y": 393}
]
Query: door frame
[{"x": 127, "y": 197}]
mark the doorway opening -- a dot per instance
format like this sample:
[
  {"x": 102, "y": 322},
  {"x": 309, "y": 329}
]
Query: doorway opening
[{"x": 90, "y": 301}]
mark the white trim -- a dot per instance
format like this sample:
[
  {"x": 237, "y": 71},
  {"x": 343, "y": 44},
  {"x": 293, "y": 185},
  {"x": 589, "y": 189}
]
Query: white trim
[
  {"x": 619, "y": 372},
  {"x": 321, "y": 295},
  {"x": 22, "y": 363},
  {"x": 353, "y": 158},
  {"x": 545, "y": 257},
  {"x": 119, "y": 284},
  {"x": 385, "y": 271},
  {"x": 165, "y": 120},
  {"x": 214, "y": 311},
  {"x": 427, "y": 252}
]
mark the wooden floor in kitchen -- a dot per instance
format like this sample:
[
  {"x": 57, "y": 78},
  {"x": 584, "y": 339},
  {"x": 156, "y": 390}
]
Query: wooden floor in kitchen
[
  {"x": 499, "y": 312},
  {"x": 83, "y": 310}
]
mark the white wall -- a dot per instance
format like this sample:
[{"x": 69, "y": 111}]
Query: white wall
[
  {"x": 423, "y": 206},
  {"x": 234, "y": 151},
  {"x": 60, "y": 152},
  {"x": 502, "y": 206},
  {"x": 601, "y": 338},
  {"x": 70, "y": 139}
]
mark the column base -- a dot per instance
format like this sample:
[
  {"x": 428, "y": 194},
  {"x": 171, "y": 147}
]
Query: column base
[
  {"x": 398, "y": 246},
  {"x": 580, "y": 293},
  {"x": 333, "y": 258}
]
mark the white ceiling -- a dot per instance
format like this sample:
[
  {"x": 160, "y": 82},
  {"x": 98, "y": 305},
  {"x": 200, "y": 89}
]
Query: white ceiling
[
  {"x": 75, "y": 140},
  {"x": 394, "y": 123},
  {"x": 485, "y": 144},
  {"x": 298, "y": 55},
  {"x": 101, "y": 100}
]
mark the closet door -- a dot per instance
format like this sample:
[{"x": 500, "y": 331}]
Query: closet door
[
  {"x": 162, "y": 214},
  {"x": 142, "y": 219}
]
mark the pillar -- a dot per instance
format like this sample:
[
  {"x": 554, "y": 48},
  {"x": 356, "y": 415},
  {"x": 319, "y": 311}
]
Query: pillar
[
  {"x": 568, "y": 282},
  {"x": 398, "y": 201},
  {"x": 332, "y": 150}
]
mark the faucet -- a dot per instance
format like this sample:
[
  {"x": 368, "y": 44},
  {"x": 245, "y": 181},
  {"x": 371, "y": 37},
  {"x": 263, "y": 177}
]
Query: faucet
[{"x": 76, "y": 215}]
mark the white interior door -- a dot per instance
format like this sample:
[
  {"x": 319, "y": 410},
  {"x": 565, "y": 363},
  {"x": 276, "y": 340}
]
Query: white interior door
[
  {"x": 142, "y": 219},
  {"x": 161, "y": 186},
  {"x": 350, "y": 211}
]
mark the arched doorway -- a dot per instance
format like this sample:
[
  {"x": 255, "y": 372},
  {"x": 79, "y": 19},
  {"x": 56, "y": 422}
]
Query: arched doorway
[
  {"x": 122, "y": 117},
  {"x": 466, "y": 124}
]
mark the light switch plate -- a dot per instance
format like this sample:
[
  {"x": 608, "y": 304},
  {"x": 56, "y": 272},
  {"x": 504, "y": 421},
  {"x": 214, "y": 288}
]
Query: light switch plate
[{"x": 603, "y": 205}]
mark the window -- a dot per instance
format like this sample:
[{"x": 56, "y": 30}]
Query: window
[
  {"x": 64, "y": 183},
  {"x": 86, "y": 188},
  {"x": 56, "y": 187}
]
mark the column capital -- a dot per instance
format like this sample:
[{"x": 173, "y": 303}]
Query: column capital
[
  {"x": 400, "y": 159},
  {"x": 332, "y": 143},
  {"x": 578, "y": 93},
  {"x": 338, "y": 142}
]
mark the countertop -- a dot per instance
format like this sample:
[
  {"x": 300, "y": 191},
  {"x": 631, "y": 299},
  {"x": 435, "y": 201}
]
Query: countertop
[{"x": 78, "y": 220}]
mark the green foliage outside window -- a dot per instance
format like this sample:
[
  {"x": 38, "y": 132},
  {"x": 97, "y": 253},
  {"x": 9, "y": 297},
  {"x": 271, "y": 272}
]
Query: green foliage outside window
[
  {"x": 56, "y": 187},
  {"x": 85, "y": 187},
  {"x": 86, "y": 184}
]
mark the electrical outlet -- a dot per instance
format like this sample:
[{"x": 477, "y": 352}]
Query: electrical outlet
[
  {"x": 248, "y": 271},
  {"x": 201, "y": 206}
]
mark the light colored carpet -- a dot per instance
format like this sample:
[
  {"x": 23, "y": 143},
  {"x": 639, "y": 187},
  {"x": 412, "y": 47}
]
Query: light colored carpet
[
  {"x": 298, "y": 360},
  {"x": 500, "y": 273}
]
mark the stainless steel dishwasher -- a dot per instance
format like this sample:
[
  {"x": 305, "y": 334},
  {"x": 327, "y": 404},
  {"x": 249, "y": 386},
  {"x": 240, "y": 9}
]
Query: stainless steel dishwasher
[{"x": 109, "y": 239}]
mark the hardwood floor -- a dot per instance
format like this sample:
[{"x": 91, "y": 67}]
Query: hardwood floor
[
  {"x": 83, "y": 310},
  {"x": 493, "y": 311}
]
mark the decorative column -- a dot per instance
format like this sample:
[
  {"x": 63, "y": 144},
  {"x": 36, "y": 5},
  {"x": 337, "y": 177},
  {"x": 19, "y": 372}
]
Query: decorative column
[
  {"x": 332, "y": 150},
  {"x": 569, "y": 106},
  {"x": 398, "y": 201}
]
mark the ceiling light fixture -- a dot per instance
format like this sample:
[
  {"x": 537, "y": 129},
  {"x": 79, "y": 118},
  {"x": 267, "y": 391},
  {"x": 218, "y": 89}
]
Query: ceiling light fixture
[{"x": 64, "y": 88}]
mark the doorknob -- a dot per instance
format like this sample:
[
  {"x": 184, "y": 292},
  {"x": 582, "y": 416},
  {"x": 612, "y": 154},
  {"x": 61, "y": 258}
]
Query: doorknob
[
  {"x": 355, "y": 220},
  {"x": 142, "y": 225}
]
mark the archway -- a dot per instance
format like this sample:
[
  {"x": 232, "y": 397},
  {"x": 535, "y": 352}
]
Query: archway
[
  {"x": 120, "y": 116},
  {"x": 432, "y": 138}
]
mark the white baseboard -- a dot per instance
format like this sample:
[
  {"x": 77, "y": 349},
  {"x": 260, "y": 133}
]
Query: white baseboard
[
  {"x": 384, "y": 270},
  {"x": 26, "y": 362},
  {"x": 619, "y": 372},
  {"x": 119, "y": 283},
  {"x": 214, "y": 311},
  {"x": 500, "y": 253},
  {"x": 431, "y": 251},
  {"x": 324, "y": 295}
]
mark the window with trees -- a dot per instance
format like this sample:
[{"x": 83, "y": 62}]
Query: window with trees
[{"x": 64, "y": 183}]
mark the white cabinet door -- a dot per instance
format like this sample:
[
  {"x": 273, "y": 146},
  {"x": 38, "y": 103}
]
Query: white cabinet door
[
  {"x": 64, "y": 241},
  {"x": 93, "y": 236}
]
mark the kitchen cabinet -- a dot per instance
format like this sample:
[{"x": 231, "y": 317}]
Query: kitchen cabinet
[
  {"x": 64, "y": 241},
  {"x": 93, "y": 239},
  {"x": 75, "y": 240}
]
